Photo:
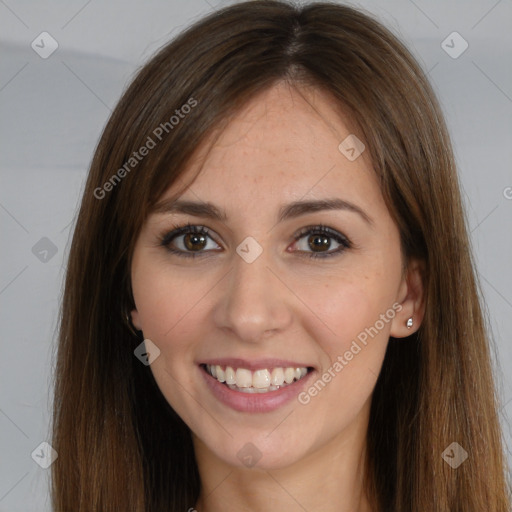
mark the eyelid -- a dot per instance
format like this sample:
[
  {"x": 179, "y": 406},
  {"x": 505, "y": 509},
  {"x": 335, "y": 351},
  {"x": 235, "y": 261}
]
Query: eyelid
[
  {"x": 181, "y": 229},
  {"x": 340, "y": 238},
  {"x": 321, "y": 228}
]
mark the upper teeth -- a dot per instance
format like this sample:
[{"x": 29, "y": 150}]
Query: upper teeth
[{"x": 264, "y": 379}]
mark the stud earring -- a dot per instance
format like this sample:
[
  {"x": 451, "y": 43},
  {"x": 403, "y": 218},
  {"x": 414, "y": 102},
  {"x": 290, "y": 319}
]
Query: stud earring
[{"x": 409, "y": 323}]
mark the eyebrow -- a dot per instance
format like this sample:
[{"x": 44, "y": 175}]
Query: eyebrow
[{"x": 288, "y": 211}]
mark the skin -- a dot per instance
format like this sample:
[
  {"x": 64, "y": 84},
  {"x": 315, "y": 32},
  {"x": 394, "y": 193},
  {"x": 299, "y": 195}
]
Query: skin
[{"x": 282, "y": 147}]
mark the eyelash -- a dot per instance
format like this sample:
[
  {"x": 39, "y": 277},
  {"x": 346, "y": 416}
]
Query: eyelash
[{"x": 319, "y": 229}]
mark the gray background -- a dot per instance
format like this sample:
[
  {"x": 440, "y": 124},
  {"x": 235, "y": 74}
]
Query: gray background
[{"x": 53, "y": 111}]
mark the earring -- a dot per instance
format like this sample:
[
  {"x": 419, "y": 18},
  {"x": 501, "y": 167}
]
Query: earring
[{"x": 409, "y": 323}]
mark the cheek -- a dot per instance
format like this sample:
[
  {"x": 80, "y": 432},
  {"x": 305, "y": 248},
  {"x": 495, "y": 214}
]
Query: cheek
[
  {"x": 353, "y": 336},
  {"x": 173, "y": 311},
  {"x": 351, "y": 322},
  {"x": 170, "y": 309},
  {"x": 350, "y": 304},
  {"x": 166, "y": 300}
]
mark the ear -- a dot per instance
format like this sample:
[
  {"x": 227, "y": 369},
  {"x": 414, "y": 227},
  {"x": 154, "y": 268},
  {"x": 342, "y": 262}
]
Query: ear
[
  {"x": 411, "y": 297},
  {"x": 135, "y": 318}
]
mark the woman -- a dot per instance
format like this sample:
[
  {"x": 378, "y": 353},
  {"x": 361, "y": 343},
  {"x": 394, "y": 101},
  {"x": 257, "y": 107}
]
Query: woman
[{"x": 270, "y": 290}]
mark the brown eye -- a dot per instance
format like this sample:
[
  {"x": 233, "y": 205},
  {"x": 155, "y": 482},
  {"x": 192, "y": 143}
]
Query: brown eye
[
  {"x": 321, "y": 242},
  {"x": 318, "y": 240},
  {"x": 194, "y": 242},
  {"x": 188, "y": 241}
]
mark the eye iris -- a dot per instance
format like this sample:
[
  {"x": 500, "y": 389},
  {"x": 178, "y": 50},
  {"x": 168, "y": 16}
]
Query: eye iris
[
  {"x": 192, "y": 239},
  {"x": 319, "y": 242}
]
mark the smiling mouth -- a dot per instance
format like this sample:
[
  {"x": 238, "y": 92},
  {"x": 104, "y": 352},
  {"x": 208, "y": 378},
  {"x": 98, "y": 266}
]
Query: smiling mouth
[{"x": 264, "y": 380}]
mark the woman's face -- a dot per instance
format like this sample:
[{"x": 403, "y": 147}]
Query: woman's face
[{"x": 269, "y": 295}]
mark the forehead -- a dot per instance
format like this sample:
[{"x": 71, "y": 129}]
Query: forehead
[{"x": 282, "y": 146}]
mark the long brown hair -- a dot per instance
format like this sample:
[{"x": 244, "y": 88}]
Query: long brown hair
[{"x": 121, "y": 446}]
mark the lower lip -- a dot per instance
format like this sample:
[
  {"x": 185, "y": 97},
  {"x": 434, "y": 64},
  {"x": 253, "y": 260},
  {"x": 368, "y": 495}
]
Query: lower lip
[{"x": 254, "y": 402}]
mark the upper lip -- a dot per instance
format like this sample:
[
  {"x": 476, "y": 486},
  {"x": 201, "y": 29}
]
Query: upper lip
[{"x": 255, "y": 364}]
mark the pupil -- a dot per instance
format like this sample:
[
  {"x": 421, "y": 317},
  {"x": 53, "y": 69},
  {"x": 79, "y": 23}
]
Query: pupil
[{"x": 319, "y": 242}]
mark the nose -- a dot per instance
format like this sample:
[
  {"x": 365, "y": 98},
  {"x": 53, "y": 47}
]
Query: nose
[{"x": 253, "y": 302}]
